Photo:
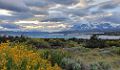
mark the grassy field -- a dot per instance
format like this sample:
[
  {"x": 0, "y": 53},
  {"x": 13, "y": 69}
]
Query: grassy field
[{"x": 59, "y": 54}]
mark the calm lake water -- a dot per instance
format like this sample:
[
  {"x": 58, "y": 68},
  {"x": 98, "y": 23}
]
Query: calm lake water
[
  {"x": 109, "y": 37},
  {"x": 39, "y": 35}
]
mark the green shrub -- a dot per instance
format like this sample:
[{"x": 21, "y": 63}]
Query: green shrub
[
  {"x": 95, "y": 42},
  {"x": 10, "y": 64},
  {"x": 77, "y": 49},
  {"x": 45, "y": 53},
  {"x": 70, "y": 64},
  {"x": 113, "y": 43},
  {"x": 56, "y": 42},
  {"x": 82, "y": 49},
  {"x": 39, "y": 43},
  {"x": 71, "y": 44},
  {"x": 100, "y": 66},
  {"x": 56, "y": 57},
  {"x": 116, "y": 50}
]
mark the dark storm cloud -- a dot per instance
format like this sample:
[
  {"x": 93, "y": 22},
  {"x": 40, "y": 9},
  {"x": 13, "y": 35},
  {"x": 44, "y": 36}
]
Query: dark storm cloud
[
  {"x": 37, "y": 3},
  {"x": 109, "y": 6},
  {"x": 40, "y": 12},
  {"x": 113, "y": 19},
  {"x": 14, "y": 5},
  {"x": 65, "y": 2},
  {"x": 7, "y": 18},
  {"x": 56, "y": 16},
  {"x": 55, "y": 19},
  {"x": 77, "y": 12},
  {"x": 66, "y": 14},
  {"x": 9, "y": 26},
  {"x": 22, "y": 15},
  {"x": 97, "y": 12},
  {"x": 16, "y": 16}
]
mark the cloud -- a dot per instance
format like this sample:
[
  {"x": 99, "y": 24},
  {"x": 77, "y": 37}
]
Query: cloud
[
  {"x": 22, "y": 15},
  {"x": 109, "y": 6},
  {"x": 64, "y": 2},
  {"x": 59, "y": 13},
  {"x": 39, "y": 11},
  {"x": 117, "y": 1},
  {"x": 9, "y": 26},
  {"x": 42, "y": 26},
  {"x": 56, "y": 16},
  {"x": 14, "y": 5},
  {"x": 81, "y": 4},
  {"x": 16, "y": 16},
  {"x": 36, "y": 3},
  {"x": 115, "y": 18},
  {"x": 5, "y": 12}
]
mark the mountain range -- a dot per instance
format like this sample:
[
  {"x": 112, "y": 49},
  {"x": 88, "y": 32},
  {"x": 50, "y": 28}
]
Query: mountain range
[
  {"x": 77, "y": 28},
  {"x": 97, "y": 27}
]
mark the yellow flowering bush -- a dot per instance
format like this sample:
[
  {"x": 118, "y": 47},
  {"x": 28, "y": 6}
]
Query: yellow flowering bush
[{"x": 19, "y": 58}]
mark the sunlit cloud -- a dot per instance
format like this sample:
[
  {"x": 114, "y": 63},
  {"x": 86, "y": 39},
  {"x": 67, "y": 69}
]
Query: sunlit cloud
[
  {"x": 49, "y": 26},
  {"x": 5, "y": 12},
  {"x": 81, "y": 4}
]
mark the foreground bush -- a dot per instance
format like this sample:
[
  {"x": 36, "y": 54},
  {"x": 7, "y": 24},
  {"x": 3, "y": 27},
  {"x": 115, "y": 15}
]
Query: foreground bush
[
  {"x": 38, "y": 43},
  {"x": 100, "y": 66},
  {"x": 116, "y": 50},
  {"x": 55, "y": 56},
  {"x": 19, "y": 58},
  {"x": 70, "y": 64}
]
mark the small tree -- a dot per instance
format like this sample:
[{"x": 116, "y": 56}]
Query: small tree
[{"x": 94, "y": 42}]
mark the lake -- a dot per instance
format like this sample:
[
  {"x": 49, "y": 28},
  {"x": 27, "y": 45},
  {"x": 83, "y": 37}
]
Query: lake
[{"x": 42, "y": 35}]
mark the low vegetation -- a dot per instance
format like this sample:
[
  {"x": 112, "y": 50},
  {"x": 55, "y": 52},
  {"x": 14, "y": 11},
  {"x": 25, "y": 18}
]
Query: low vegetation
[
  {"x": 19, "y": 58},
  {"x": 23, "y": 53}
]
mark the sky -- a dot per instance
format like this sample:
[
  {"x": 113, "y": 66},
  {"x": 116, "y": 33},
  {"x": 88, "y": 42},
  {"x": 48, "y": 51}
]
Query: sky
[{"x": 56, "y": 15}]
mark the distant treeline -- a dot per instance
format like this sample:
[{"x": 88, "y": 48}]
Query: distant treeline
[{"x": 93, "y": 42}]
